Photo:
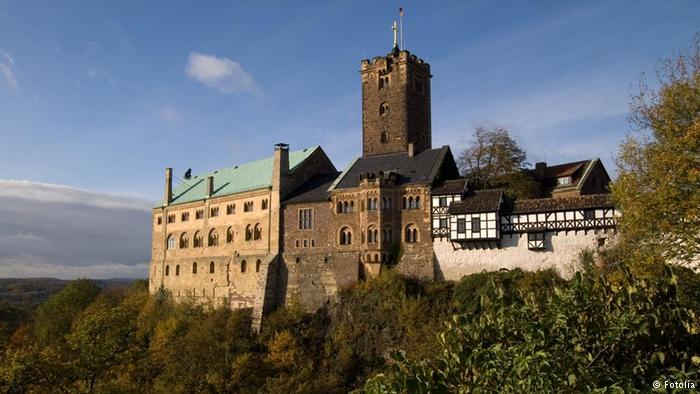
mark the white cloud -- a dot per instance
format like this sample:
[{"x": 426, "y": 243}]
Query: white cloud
[
  {"x": 222, "y": 74},
  {"x": 7, "y": 65},
  {"x": 52, "y": 193},
  {"x": 58, "y": 231},
  {"x": 169, "y": 114}
]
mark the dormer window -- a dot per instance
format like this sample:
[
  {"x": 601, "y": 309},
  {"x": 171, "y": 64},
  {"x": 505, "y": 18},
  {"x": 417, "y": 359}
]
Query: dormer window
[{"x": 564, "y": 180}]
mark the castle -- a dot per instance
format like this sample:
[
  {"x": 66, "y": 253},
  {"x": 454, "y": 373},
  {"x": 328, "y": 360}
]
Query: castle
[{"x": 257, "y": 234}]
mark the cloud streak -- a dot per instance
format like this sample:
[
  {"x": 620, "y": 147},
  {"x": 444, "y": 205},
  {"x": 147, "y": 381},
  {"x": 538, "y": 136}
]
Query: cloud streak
[
  {"x": 57, "y": 231},
  {"x": 221, "y": 74},
  {"x": 7, "y": 65}
]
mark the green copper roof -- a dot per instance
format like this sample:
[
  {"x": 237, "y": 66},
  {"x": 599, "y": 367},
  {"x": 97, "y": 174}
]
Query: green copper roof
[{"x": 230, "y": 180}]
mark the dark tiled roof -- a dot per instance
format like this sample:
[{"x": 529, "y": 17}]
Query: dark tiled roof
[
  {"x": 454, "y": 186},
  {"x": 420, "y": 168},
  {"x": 558, "y": 204},
  {"x": 479, "y": 201},
  {"x": 315, "y": 189},
  {"x": 560, "y": 170}
]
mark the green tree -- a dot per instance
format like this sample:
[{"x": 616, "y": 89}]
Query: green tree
[
  {"x": 658, "y": 186},
  {"x": 495, "y": 160}
]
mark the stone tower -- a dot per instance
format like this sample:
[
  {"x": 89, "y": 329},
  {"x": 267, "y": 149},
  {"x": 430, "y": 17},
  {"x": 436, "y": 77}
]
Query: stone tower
[{"x": 395, "y": 104}]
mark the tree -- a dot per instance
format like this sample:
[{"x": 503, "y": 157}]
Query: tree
[
  {"x": 658, "y": 186},
  {"x": 495, "y": 160}
]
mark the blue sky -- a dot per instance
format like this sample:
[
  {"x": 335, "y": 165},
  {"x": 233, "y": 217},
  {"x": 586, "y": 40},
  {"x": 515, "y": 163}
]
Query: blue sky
[{"x": 103, "y": 96}]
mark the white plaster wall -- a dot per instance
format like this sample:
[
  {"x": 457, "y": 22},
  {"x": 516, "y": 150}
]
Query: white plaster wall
[{"x": 561, "y": 253}]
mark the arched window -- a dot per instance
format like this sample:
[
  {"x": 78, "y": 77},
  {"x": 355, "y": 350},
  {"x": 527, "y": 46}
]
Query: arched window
[
  {"x": 383, "y": 109},
  {"x": 411, "y": 205},
  {"x": 213, "y": 238},
  {"x": 248, "y": 232},
  {"x": 346, "y": 207},
  {"x": 416, "y": 202},
  {"x": 229, "y": 235},
  {"x": 411, "y": 234},
  {"x": 167, "y": 270},
  {"x": 345, "y": 236},
  {"x": 257, "y": 265},
  {"x": 212, "y": 267},
  {"x": 184, "y": 241},
  {"x": 171, "y": 241},
  {"x": 340, "y": 207},
  {"x": 177, "y": 270},
  {"x": 198, "y": 242},
  {"x": 244, "y": 266},
  {"x": 257, "y": 232},
  {"x": 405, "y": 203},
  {"x": 384, "y": 138},
  {"x": 372, "y": 235},
  {"x": 194, "y": 267}
]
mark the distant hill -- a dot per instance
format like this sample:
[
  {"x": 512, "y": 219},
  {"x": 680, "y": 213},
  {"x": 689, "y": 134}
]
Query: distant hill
[{"x": 28, "y": 293}]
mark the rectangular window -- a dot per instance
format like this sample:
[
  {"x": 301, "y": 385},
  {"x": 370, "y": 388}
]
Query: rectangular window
[
  {"x": 442, "y": 202},
  {"x": 306, "y": 219},
  {"x": 443, "y": 222},
  {"x": 535, "y": 241},
  {"x": 231, "y": 209},
  {"x": 306, "y": 243},
  {"x": 476, "y": 225},
  {"x": 564, "y": 180},
  {"x": 461, "y": 225},
  {"x": 185, "y": 216},
  {"x": 171, "y": 218},
  {"x": 160, "y": 220},
  {"x": 589, "y": 214},
  {"x": 297, "y": 243},
  {"x": 199, "y": 214},
  {"x": 214, "y": 212},
  {"x": 313, "y": 243},
  {"x": 248, "y": 206},
  {"x": 264, "y": 204}
]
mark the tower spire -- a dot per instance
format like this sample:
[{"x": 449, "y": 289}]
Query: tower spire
[{"x": 394, "y": 29}]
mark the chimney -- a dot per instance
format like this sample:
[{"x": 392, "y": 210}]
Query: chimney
[
  {"x": 539, "y": 169},
  {"x": 168, "y": 197},
  {"x": 411, "y": 150},
  {"x": 210, "y": 186},
  {"x": 280, "y": 167}
]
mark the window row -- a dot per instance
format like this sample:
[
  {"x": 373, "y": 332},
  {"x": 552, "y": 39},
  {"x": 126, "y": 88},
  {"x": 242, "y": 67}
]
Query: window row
[
  {"x": 411, "y": 202},
  {"x": 212, "y": 268},
  {"x": 373, "y": 203},
  {"x": 252, "y": 233},
  {"x": 305, "y": 243},
  {"x": 410, "y": 235},
  {"x": 462, "y": 225},
  {"x": 213, "y": 212}
]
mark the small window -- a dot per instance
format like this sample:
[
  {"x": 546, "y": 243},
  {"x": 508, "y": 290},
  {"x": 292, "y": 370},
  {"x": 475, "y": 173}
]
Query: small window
[
  {"x": 564, "y": 180},
  {"x": 214, "y": 212},
  {"x": 264, "y": 204},
  {"x": 383, "y": 109},
  {"x": 171, "y": 241},
  {"x": 248, "y": 206},
  {"x": 589, "y": 214},
  {"x": 194, "y": 267},
  {"x": 297, "y": 243},
  {"x": 313, "y": 243},
  {"x": 535, "y": 241},
  {"x": 177, "y": 270},
  {"x": 411, "y": 234},
  {"x": 257, "y": 232},
  {"x": 199, "y": 214},
  {"x": 229, "y": 235},
  {"x": 159, "y": 220},
  {"x": 167, "y": 270},
  {"x": 198, "y": 240},
  {"x": 213, "y": 238},
  {"x": 442, "y": 202},
  {"x": 184, "y": 241},
  {"x": 306, "y": 219},
  {"x": 212, "y": 267},
  {"x": 244, "y": 266},
  {"x": 230, "y": 209},
  {"x": 476, "y": 225},
  {"x": 306, "y": 243},
  {"x": 249, "y": 233},
  {"x": 384, "y": 138},
  {"x": 171, "y": 218},
  {"x": 185, "y": 216},
  {"x": 257, "y": 265}
]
